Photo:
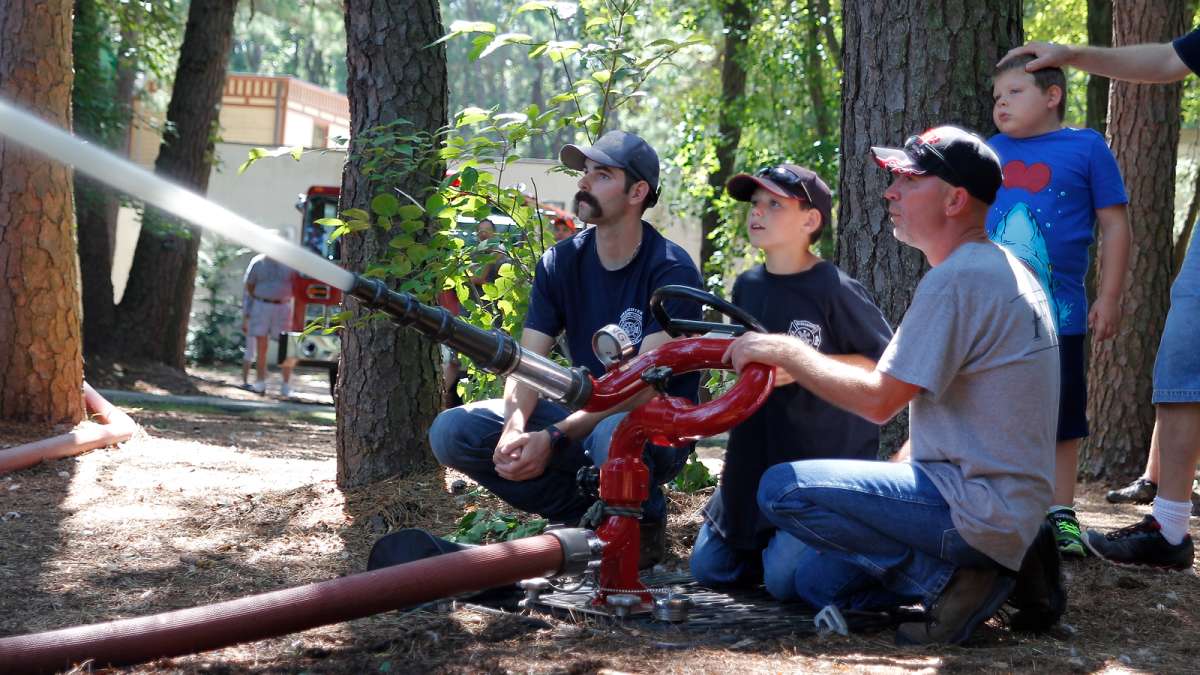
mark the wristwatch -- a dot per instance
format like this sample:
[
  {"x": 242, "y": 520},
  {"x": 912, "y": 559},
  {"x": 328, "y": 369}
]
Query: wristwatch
[{"x": 558, "y": 440}]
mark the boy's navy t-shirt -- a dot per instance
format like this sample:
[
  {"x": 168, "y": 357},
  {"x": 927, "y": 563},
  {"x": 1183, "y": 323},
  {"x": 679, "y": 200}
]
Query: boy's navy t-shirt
[
  {"x": 573, "y": 293},
  {"x": 1045, "y": 211},
  {"x": 833, "y": 313}
]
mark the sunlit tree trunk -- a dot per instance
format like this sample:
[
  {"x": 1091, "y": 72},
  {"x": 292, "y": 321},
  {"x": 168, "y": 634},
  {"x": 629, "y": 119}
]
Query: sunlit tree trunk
[
  {"x": 388, "y": 384},
  {"x": 907, "y": 65},
  {"x": 1143, "y": 131},
  {"x": 41, "y": 360}
]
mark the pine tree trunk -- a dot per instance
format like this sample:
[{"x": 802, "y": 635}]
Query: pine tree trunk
[
  {"x": 737, "y": 18},
  {"x": 1143, "y": 132},
  {"x": 41, "y": 360},
  {"x": 388, "y": 384},
  {"x": 163, "y": 275},
  {"x": 908, "y": 65}
]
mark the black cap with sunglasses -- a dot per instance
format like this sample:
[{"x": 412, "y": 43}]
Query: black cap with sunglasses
[
  {"x": 785, "y": 180},
  {"x": 955, "y": 155}
]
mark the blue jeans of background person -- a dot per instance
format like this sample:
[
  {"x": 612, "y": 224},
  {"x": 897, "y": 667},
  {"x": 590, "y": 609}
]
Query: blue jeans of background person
[
  {"x": 464, "y": 438},
  {"x": 882, "y": 529},
  {"x": 791, "y": 571},
  {"x": 1177, "y": 365}
]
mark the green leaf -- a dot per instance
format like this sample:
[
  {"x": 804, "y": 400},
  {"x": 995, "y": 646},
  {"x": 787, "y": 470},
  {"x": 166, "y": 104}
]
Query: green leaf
[
  {"x": 385, "y": 205},
  {"x": 355, "y": 214},
  {"x": 461, "y": 26},
  {"x": 479, "y": 44},
  {"x": 467, "y": 178},
  {"x": 602, "y": 76},
  {"x": 329, "y": 222},
  {"x": 410, "y": 212},
  {"x": 534, "y": 6},
  {"x": 471, "y": 115},
  {"x": 505, "y": 39},
  {"x": 435, "y": 203}
]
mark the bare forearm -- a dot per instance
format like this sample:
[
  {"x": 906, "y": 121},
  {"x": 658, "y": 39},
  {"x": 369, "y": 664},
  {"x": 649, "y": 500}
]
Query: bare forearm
[
  {"x": 1137, "y": 63},
  {"x": 1115, "y": 240},
  {"x": 519, "y": 402},
  {"x": 843, "y": 382}
]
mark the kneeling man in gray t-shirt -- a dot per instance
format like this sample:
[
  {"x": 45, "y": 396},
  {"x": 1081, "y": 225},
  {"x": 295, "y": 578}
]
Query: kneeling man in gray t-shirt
[{"x": 976, "y": 360}]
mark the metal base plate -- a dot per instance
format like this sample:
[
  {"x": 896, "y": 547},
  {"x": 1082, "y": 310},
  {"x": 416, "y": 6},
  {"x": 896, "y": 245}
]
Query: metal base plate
[{"x": 739, "y": 613}]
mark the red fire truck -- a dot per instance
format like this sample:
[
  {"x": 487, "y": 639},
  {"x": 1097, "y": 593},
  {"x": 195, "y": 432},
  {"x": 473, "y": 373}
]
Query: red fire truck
[{"x": 314, "y": 299}]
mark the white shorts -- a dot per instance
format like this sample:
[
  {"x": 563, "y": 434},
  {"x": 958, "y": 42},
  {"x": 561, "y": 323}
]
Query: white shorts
[{"x": 268, "y": 318}]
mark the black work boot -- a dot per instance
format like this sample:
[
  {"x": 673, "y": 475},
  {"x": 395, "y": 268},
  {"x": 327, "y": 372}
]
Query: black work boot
[
  {"x": 969, "y": 599},
  {"x": 1039, "y": 596}
]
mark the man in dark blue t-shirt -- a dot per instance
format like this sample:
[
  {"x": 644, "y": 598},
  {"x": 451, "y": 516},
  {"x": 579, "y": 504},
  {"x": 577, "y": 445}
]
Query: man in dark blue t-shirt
[
  {"x": 1162, "y": 538},
  {"x": 526, "y": 449}
]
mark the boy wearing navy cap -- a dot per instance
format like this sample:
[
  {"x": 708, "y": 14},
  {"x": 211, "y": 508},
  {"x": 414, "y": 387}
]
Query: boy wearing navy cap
[{"x": 796, "y": 293}]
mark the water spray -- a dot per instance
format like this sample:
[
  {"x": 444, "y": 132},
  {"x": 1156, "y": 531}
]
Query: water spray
[{"x": 491, "y": 350}]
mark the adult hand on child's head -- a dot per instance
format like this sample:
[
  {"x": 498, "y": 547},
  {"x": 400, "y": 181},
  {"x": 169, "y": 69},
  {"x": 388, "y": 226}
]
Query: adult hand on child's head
[
  {"x": 1104, "y": 318},
  {"x": 1047, "y": 55}
]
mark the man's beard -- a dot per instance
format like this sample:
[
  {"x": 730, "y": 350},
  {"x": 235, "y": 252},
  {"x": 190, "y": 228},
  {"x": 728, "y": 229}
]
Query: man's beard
[{"x": 594, "y": 210}]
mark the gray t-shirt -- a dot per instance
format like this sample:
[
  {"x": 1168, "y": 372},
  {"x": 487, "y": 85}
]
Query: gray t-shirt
[
  {"x": 980, "y": 342},
  {"x": 272, "y": 280}
]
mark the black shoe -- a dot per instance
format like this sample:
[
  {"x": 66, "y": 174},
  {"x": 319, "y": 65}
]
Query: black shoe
[
  {"x": 1140, "y": 491},
  {"x": 1039, "y": 596},
  {"x": 654, "y": 544},
  {"x": 1141, "y": 544},
  {"x": 970, "y": 598}
]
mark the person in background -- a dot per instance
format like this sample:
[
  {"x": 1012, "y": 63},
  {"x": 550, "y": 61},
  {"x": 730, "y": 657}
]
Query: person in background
[
  {"x": 1160, "y": 539},
  {"x": 267, "y": 308}
]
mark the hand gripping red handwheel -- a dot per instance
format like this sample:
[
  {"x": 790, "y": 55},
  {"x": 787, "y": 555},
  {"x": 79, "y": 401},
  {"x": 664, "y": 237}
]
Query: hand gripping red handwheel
[{"x": 665, "y": 420}]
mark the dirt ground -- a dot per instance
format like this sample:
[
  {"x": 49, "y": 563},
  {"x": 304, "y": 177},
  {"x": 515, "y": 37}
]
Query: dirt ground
[{"x": 202, "y": 507}]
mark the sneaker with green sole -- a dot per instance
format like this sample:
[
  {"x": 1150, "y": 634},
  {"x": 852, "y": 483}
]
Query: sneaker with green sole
[{"x": 1066, "y": 533}]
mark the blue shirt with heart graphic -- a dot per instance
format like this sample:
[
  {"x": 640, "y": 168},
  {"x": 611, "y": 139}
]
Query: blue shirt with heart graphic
[{"x": 1045, "y": 212}]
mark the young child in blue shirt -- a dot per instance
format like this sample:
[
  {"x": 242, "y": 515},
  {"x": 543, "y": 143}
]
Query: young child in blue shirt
[
  {"x": 797, "y": 293},
  {"x": 1059, "y": 183}
]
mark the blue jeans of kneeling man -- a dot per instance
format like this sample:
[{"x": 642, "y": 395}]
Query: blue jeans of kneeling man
[
  {"x": 464, "y": 438},
  {"x": 879, "y": 534}
]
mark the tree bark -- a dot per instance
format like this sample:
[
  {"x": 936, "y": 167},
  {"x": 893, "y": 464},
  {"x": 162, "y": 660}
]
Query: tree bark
[
  {"x": 163, "y": 275},
  {"x": 388, "y": 389},
  {"x": 908, "y": 65},
  {"x": 40, "y": 342},
  {"x": 737, "y": 17},
  {"x": 1143, "y": 132},
  {"x": 1099, "y": 32}
]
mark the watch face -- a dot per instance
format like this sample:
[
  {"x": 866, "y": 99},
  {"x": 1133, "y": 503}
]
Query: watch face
[{"x": 612, "y": 345}]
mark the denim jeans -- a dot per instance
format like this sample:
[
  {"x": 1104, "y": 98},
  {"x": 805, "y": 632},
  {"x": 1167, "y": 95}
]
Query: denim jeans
[
  {"x": 464, "y": 438},
  {"x": 791, "y": 571},
  {"x": 880, "y": 531}
]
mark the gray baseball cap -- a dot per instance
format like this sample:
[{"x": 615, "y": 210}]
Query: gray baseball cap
[{"x": 622, "y": 150}]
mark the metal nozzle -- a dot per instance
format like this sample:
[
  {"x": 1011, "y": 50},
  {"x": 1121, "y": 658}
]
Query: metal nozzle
[{"x": 492, "y": 350}]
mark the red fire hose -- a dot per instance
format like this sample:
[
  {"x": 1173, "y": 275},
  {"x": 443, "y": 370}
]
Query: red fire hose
[
  {"x": 115, "y": 427},
  {"x": 197, "y": 629}
]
